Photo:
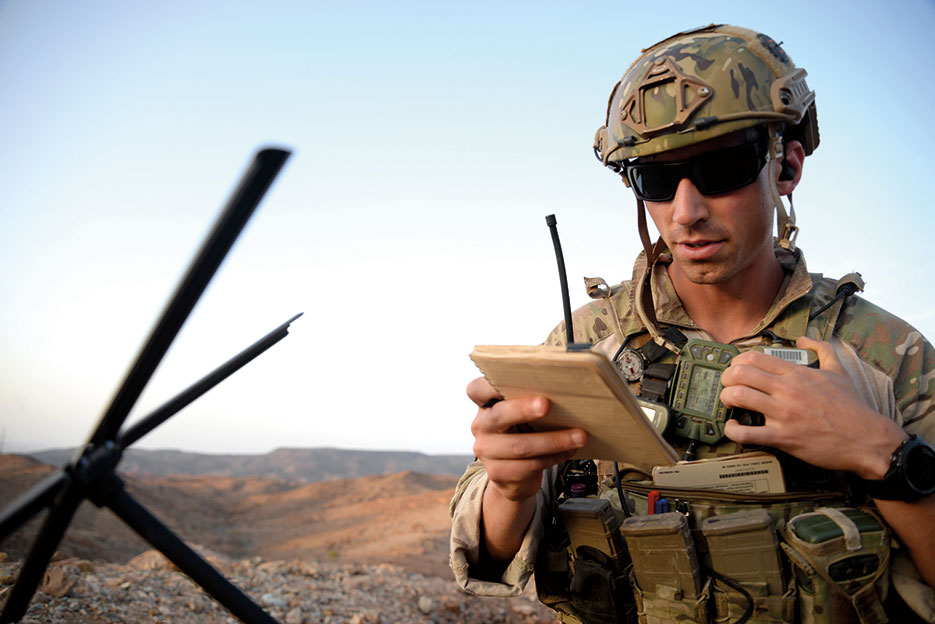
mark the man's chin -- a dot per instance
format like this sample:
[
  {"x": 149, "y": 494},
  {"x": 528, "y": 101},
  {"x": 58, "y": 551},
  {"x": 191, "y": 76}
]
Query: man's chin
[
  {"x": 703, "y": 273},
  {"x": 706, "y": 280}
]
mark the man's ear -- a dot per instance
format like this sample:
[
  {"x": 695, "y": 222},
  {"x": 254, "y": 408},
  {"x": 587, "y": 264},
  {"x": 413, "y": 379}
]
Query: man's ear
[{"x": 790, "y": 171}]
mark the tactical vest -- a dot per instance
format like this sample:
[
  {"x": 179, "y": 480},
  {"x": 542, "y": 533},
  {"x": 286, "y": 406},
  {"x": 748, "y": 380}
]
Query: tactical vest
[{"x": 813, "y": 555}]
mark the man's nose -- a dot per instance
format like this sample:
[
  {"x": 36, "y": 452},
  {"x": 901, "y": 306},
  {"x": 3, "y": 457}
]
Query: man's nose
[{"x": 688, "y": 205}]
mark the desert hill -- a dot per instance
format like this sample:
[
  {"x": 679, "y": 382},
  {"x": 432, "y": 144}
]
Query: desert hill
[
  {"x": 295, "y": 464},
  {"x": 400, "y": 518}
]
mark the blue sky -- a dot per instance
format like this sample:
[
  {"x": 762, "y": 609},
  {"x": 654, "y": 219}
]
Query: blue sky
[{"x": 430, "y": 140}]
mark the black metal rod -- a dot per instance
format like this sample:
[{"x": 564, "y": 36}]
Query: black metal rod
[
  {"x": 227, "y": 228},
  {"x": 32, "y": 502},
  {"x": 563, "y": 279},
  {"x": 62, "y": 511},
  {"x": 187, "y": 396},
  {"x": 188, "y": 561}
]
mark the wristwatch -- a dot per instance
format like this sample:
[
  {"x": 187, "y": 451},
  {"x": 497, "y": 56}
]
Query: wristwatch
[{"x": 911, "y": 475}]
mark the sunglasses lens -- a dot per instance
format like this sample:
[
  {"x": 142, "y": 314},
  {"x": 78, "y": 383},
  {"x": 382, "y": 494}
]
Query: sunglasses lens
[
  {"x": 713, "y": 173},
  {"x": 653, "y": 182},
  {"x": 727, "y": 169}
]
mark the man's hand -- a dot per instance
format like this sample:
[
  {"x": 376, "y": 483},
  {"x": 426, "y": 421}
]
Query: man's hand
[
  {"x": 817, "y": 415},
  {"x": 814, "y": 414},
  {"x": 514, "y": 461}
]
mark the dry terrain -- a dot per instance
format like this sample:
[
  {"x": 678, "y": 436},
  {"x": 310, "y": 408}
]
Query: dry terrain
[{"x": 367, "y": 549}]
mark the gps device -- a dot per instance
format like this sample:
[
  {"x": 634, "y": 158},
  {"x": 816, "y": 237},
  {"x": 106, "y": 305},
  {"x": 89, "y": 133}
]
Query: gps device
[
  {"x": 696, "y": 390},
  {"x": 695, "y": 393}
]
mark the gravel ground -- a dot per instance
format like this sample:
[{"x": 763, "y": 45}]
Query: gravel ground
[{"x": 149, "y": 589}]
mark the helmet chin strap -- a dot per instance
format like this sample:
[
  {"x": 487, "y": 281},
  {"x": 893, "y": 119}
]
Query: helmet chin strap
[
  {"x": 643, "y": 294},
  {"x": 785, "y": 223}
]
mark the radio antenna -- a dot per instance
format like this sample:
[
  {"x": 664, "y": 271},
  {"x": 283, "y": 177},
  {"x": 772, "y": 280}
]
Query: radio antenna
[{"x": 570, "y": 343}]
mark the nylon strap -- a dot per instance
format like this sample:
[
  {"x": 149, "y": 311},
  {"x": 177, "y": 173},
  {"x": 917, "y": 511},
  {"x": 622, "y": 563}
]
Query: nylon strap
[
  {"x": 643, "y": 297},
  {"x": 785, "y": 222}
]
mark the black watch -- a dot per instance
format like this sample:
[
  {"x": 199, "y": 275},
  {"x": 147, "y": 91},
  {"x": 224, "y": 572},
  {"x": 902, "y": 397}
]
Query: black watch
[{"x": 911, "y": 475}]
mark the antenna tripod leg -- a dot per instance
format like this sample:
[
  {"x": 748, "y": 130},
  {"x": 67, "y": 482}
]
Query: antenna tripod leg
[
  {"x": 187, "y": 560},
  {"x": 30, "y": 575},
  {"x": 32, "y": 502}
]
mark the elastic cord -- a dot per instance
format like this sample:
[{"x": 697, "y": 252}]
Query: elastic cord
[
  {"x": 735, "y": 585},
  {"x": 623, "y": 501}
]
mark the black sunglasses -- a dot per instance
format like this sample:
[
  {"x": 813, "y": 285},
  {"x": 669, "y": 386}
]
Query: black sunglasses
[{"x": 712, "y": 173}]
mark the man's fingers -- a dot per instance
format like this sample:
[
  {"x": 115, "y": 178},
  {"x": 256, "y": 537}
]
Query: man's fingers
[
  {"x": 480, "y": 391},
  {"x": 749, "y": 374},
  {"x": 542, "y": 444},
  {"x": 744, "y": 434},
  {"x": 769, "y": 363},
  {"x": 747, "y": 397},
  {"x": 502, "y": 415}
]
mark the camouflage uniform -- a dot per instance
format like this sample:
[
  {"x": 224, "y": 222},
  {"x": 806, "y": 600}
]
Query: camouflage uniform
[{"x": 891, "y": 365}]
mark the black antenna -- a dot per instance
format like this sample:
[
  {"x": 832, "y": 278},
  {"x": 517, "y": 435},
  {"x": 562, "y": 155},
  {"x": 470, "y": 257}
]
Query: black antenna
[
  {"x": 90, "y": 475},
  {"x": 570, "y": 343}
]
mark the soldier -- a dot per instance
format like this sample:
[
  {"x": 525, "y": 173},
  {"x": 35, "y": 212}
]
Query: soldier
[{"x": 710, "y": 128}]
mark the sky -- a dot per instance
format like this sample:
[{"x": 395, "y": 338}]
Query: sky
[{"x": 429, "y": 141}]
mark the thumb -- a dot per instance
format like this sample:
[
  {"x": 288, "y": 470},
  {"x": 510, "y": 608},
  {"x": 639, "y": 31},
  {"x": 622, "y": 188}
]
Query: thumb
[{"x": 827, "y": 358}]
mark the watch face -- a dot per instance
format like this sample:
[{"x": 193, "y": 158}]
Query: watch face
[
  {"x": 630, "y": 365},
  {"x": 920, "y": 467}
]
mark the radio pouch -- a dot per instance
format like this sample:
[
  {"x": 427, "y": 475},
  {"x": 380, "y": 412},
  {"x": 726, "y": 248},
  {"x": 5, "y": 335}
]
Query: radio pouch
[
  {"x": 600, "y": 593},
  {"x": 840, "y": 559},
  {"x": 595, "y": 588},
  {"x": 552, "y": 572}
]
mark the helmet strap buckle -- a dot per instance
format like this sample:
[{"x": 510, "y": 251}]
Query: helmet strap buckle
[{"x": 788, "y": 235}]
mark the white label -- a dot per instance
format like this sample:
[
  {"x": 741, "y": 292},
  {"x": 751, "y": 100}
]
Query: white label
[
  {"x": 751, "y": 473},
  {"x": 796, "y": 356}
]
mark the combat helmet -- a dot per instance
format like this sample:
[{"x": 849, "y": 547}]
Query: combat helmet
[{"x": 704, "y": 83}]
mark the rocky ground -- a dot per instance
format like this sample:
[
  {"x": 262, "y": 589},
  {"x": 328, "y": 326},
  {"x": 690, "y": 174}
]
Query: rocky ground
[
  {"x": 150, "y": 590},
  {"x": 370, "y": 550}
]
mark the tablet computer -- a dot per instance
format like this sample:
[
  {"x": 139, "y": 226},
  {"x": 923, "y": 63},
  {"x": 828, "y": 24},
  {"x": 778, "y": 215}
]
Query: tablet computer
[{"x": 585, "y": 391}]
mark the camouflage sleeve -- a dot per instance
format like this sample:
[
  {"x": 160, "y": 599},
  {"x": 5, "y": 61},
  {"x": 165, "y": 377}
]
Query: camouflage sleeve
[
  {"x": 465, "y": 511},
  {"x": 892, "y": 346}
]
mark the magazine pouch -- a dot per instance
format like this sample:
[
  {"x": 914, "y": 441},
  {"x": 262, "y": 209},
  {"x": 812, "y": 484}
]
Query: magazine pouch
[
  {"x": 840, "y": 561},
  {"x": 665, "y": 575},
  {"x": 743, "y": 548}
]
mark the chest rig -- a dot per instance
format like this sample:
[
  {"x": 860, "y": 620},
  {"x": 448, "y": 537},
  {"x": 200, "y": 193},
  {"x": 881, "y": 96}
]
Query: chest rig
[
  {"x": 611, "y": 554},
  {"x": 677, "y": 380}
]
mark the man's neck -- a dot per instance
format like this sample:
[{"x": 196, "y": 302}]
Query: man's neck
[{"x": 733, "y": 308}]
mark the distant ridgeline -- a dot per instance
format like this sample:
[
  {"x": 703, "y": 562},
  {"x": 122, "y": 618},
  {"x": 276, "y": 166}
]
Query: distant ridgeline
[{"x": 303, "y": 465}]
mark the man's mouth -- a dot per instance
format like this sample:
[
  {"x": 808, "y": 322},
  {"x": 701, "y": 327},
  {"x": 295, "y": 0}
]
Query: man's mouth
[
  {"x": 698, "y": 244},
  {"x": 700, "y": 249}
]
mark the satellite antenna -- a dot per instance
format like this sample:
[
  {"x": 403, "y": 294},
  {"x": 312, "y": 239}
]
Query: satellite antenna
[{"x": 90, "y": 474}]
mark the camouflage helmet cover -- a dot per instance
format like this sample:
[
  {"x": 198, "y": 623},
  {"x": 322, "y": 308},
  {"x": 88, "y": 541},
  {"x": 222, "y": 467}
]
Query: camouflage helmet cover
[{"x": 701, "y": 84}]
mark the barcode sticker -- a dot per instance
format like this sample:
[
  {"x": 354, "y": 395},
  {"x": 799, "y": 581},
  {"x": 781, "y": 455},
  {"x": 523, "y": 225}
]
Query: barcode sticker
[{"x": 796, "y": 356}]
